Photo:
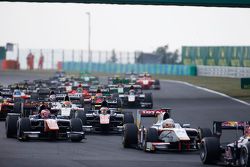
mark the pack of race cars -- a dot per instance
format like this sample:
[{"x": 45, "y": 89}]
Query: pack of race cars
[{"x": 69, "y": 107}]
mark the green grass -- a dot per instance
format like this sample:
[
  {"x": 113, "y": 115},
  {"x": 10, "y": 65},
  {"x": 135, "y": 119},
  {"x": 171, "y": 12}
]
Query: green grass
[{"x": 228, "y": 86}]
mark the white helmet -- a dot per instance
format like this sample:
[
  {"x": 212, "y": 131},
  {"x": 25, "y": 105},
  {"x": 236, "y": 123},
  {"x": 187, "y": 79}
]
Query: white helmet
[
  {"x": 52, "y": 97},
  {"x": 168, "y": 123}
]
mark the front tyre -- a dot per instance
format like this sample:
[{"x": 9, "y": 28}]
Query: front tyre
[
  {"x": 23, "y": 125},
  {"x": 76, "y": 126},
  {"x": 210, "y": 150},
  {"x": 130, "y": 136}
]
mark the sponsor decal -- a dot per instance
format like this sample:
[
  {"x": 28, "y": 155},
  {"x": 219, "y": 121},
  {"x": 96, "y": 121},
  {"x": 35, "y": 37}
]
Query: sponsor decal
[{"x": 104, "y": 119}]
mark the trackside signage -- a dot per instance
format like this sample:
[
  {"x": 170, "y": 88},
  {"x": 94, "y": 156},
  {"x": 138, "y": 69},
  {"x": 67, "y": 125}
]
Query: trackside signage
[{"x": 245, "y": 83}]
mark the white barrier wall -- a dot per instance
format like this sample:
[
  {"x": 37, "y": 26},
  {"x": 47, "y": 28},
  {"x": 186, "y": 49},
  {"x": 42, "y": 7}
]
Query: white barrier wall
[{"x": 223, "y": 71}]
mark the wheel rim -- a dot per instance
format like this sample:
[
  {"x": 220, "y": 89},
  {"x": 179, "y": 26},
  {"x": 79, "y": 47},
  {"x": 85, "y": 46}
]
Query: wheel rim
[
  {"x": 203, "y": 151},
  {"x": 244, "y": 157}
]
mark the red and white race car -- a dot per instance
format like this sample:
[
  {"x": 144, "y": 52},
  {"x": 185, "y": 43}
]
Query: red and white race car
[
  {"x": 147, "y": 82},
  {"x": 165, "y": 134},
  {"x": 83, "y": 92}
]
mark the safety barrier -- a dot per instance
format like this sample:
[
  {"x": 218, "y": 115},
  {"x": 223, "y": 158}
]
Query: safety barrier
[
  {"x": 223, "y": 71},
  {"x": 164, "y": 69},
  {"x": 10, "y": 65}
]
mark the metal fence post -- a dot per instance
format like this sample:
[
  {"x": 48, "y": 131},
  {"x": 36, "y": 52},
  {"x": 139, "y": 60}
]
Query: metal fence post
[{"x": 52, "y": 57}]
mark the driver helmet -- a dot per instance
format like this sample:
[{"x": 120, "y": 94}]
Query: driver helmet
[
  {"x": 45, "y": 113},
  {"x": 104, "y": 110},
  {"x": 67, "y": 104},
  {"x": 52, "y": 97},
  {"x": 168, "y": 123},
  {"x": 132, "y": 91}
]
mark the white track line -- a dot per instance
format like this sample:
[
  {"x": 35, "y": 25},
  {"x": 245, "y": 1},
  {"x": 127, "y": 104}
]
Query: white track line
[{"x": 208, "y": 90}]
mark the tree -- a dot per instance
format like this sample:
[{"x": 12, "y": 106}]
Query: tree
[
  {"x": 113, "y": 58},
  {"x": 167, "y": 57}
]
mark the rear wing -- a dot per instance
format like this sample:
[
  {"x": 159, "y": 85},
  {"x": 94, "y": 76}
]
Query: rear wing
[
  {"x": 103, "y": 91},
  {"x": 151, "y": 113},
  {"x": 219, "y": 126},
  {"x": 60, "y": 97},
  {"x": 154, "y": 113}
]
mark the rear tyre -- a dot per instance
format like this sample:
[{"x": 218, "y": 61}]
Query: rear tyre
[
  {"x": 245, "y": 156},
  {"x": 82, "y": 102},
  {"x": 157, "y": 84},
  {"x": 11, "y": 126},
  {"x": 130, "y": 136},
  {"x": 205, "y": 132},
  {"x": 149, "y": 99},
  {"x": 76, "y": 126},
  {"x": 128, "y": 118},
  {"x": 17, "y": 107},
  {"x": 82, "y": 116},
  {"x": 210, "y": 150},
  {"x": 23, "y": 124}
]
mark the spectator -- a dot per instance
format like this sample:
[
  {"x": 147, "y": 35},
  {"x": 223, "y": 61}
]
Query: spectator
[{"x": 40, "y": 63}]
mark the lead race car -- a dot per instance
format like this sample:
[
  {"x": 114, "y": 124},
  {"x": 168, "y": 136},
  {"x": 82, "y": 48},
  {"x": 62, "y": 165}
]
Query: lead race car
[
  {"x": 147, "y": 82},
  {"x": 165, "y": 134},
  {"x": 235, "y": 153}
]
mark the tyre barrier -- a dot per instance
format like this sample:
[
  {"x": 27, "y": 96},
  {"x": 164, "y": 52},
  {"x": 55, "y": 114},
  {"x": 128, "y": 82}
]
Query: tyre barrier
[{"x": 164, "y": 69}]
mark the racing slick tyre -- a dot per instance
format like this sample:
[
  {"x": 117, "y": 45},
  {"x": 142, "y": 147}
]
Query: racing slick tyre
[
  {"x": 17, "y": 107},
  {"x": 245, "y": 156},
  {"x": 157, "y": 83},
  {"x": 128, "y": 118},
  {"x": 82, "y": 102},
  {"x": 130, "y": 136},
  {"x": 150, "y": 136},
  {"x": 11, "y": 125},
  {"x": 204, "y": 132},
  {"x": 119, "y": 103},
  {"x": 82, "y": 116},
  {"x": 210, "y": 150},
  {"x": 23, "y": 124},
  {"x": 76, "y": 126},
  {"x": 149, "y": 99}
]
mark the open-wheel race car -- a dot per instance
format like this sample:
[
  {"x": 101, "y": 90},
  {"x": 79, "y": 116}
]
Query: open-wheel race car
[
  {"x": 134, "y": 97},
  {"x": 147, "y": 82},
  {"x": 45, "y": 125},
  {"x": 235, "y": 153},
  {"x": 165, "y": 134},
  {"x": 105, "y": 120}
]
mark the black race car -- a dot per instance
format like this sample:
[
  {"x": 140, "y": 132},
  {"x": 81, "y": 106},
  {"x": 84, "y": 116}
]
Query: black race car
[
  {"x": 105, "y": 120},
  {"x": 235, "y": 153}
]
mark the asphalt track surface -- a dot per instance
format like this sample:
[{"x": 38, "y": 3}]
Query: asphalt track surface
[{"x": 190, "y": 105}]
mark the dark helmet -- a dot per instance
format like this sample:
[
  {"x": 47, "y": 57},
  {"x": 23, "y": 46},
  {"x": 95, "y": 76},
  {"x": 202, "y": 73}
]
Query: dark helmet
[
  {"x": 66, "y": 98},
  {"x": 104, "y": 103},
  {"x": 42, "y": 107},
  {"x": 98, "y": 90}
]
